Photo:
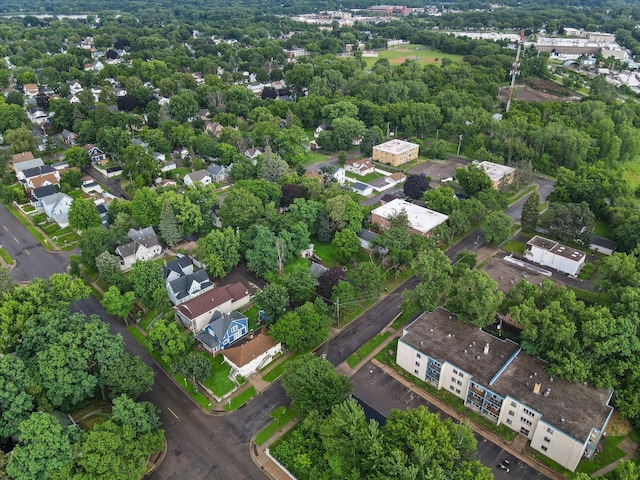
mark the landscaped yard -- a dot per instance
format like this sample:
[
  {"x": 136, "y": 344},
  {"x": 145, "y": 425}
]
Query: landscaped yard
[
  {"x": 219, "y": 382},
  {"x": 420, "y": 53},
  {"x": 281, "y": 416},
  {"x": 327, "y": 253},
  {"x": 241, "y": 399},
  {"x": 279, "y": 369},
  {"x": 365, "y": 178},
  {"x": 602, "y": 229},
  {"x": 514, "y": 246}
]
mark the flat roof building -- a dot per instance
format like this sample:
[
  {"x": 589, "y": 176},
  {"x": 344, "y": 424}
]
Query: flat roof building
[
  {"x": 395, "y": 152},
  {"x": 499, "y": 174},
  {"x": 563, "y": 420},
  {"x": 555, "y": 255},
  {"x": 422, "y": 220}
]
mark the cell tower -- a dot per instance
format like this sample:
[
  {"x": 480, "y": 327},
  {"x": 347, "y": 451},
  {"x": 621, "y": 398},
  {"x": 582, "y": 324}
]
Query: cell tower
[{"x": 514, "y": 72}]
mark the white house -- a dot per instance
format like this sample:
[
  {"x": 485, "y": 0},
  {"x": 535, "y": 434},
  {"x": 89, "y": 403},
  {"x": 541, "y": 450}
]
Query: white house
[
  {"x": 563, "y": 420},
  {"x": 250, "y": 355},
  {"x": 144, "y": 245},
  {"x": 201, "y": 176},
  {"x": 182, "y": 282},
  {"x": 499, "y": 174},
  {"x": 555, "y": 255},
  {"x": 363, "y": 189},
  {"x": 57, "y": 207},
  {"x": 359, "y": 167}
]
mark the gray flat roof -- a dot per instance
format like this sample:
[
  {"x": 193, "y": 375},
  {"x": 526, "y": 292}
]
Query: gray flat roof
[
  {"x": 557, "y": 248},
  {"x": 571, "y": 407},
  {"x": 445, "y": 338}
]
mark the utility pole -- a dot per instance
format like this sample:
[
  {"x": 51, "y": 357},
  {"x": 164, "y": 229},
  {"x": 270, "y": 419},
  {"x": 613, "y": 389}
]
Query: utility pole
[{"x": 514, "y": 72}]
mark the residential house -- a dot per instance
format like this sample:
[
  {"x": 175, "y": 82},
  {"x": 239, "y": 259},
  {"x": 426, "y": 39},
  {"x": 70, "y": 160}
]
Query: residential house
[
  {"x": 317, "y": 269},
  {"x": 68, "y": 137},
  {"x": 222, "y": 331},
  {"x": 253, "y": 153},
  {"x": 19, "y": 164},
  {"x": 103, "y": 211},
  {"x": 550, "y": 253},
  {"x": 144, "y": 245},
  {"x": 499, "y": 174},
  {"x": 75, "y": 87},
  {"x": 196, "y": 313},
  {"x": 388, "y": 181},
  {"x": 91, "y": 185},
  {"x": 37, "y": 194},
  {"x": 57, "y": 207},
  {"x": 395, "y": 152},
  {"x": 201, "y": 176},
  {"x": 137, "y": 141},
  {"x": 37, "y": 116},
  {"x": 359, "y": 167},
  {"x": 96, "y": 155},
  {"x": 20, "y": 157},
  {"x": 30, "y": 89},
  {"x": 362, "y": 188},
  {"x": 182, "y": 282},
  {"x": 251, "y": 354},
  {"x": 61, "y": 166},
  {"x": 563, "y": 420},
  {"x": 217, "y": 172},
  {"x": 603, "y": 245},
  {"x": 421, "y": 220},
  {"x": 366, "y": 237},
  {"x": 39, "y": 177}
]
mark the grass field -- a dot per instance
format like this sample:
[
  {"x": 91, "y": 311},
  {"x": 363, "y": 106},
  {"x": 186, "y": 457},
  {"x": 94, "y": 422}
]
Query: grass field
[
  {"x": 281, "y": 416},
  {"x": 397, "y": 55},
  {"x": 632, "y": 173}
]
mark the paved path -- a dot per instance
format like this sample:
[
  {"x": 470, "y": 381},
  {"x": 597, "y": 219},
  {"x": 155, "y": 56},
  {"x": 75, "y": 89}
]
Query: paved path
[{"x": 630, "y": 448}]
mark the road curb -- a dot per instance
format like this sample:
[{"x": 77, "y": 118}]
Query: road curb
[{"x": 157, "y": 463}]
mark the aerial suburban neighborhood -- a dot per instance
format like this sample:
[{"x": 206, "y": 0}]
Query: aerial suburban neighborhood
[{"x": 319, "y": 240}]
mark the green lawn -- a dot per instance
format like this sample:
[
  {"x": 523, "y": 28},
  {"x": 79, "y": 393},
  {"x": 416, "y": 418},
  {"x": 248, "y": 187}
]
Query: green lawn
[
  {"x": 241, "y": 399},
  {"x": 514, "y": 246},
  {"x": 602, "y": 229},
  {"x": 397, "y": 55},
  {"x": 198, "y": 396},
  {"x": 366, "y": 349},
  {"x": 140, "y": 338},
  {"x": 314, "y": 157},
  {"x": 592, "y": 297},
  {"x": 632, "y": 173},
  {"x": 279, "y": 369},
  {"x": 609, "y": 454},
  {"x": 252, "y": 316},
  {"x": 405, "y": 316},
  {"x": 219, "y": 382},
  {"x": 281, "y": 416},
  {"x": 5, "y": 256},
  {"x": 366, "y": 178},
  {"x": 327, "y": 253}
]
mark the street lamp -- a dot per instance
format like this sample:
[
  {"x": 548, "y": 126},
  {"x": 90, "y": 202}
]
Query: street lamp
[{"x": 460, "y": 137}]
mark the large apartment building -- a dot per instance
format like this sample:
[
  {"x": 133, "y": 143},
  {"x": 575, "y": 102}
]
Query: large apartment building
[
  {"x": 395, "y": 152},
  {"x": 565, "y": 421}
]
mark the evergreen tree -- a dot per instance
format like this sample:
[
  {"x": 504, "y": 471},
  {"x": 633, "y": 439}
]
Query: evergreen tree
[
  {"x": 169, "y": 225},
  {"x": 530, "y": 212}
]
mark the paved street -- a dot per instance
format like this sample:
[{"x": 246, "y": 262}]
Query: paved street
[
  {"x": 200, "y": 446},
  {"x": 32, "y": 259}
]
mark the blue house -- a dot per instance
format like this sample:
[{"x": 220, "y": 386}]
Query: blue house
[{"x": 223, "y": 330}]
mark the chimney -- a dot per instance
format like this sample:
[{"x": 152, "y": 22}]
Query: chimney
[
  {"x": 536, "y": 388},
  {"x": 486, "y": 349}
]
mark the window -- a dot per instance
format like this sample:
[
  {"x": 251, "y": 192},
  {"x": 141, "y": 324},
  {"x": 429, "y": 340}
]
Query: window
[
  {"x": 455, "y": 372},
  {"x": 524, "y": 431},
  {"x": 416, "y": 372},
  {"x": 459, "y": 382},
  {"x": 460, "y": 374},
  {"x": 526, "y": 421},
  {"x": 543, "y": 448},
  {"x": 509, "y": 422},
  {"x": 234, "y": 329},
  {"x": 528, "y": 412},
  {"x": 547, "y": 439},
  {"x": 453, "y": 379},
  {"x": 550, "y": 431},
  {"x": 457, "y": 390},
  {"x": 418, "y": 355},
  {"x": 451, "y": 388},
  {"x": 417, "y": 364},
  {"x": 512, "y": 413},
  {"x": 513, "y": 404}
]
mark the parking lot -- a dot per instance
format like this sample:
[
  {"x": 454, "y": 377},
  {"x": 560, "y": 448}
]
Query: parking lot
[{"x": 438, "y": 169}]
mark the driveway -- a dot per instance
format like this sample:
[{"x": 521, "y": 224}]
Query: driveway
[
  {"x": 383, "y": 393},
  {"x": 32, "y": 259},
  {"x": 112, "y": 185},
  {"x": 545, "y": 187}
]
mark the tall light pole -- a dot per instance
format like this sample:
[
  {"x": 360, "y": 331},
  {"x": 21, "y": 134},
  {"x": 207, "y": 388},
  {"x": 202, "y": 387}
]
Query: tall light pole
[
  {"x": 514, "y": 72},
  {"x": 460, "y": 137}
]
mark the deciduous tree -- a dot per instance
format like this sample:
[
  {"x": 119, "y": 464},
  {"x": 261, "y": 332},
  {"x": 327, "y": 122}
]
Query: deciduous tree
[
  {"x": 130, "y": 376},
  {"x": 116, "y": 303},
  {"x": 497, "y": 227},
  {"x": 347, "y": 245},
  {"x": 147, "y": 279},
  {"x": 77, "y": 157},
  {"x": 473, "y": 179},
  {"x": 475, "y": 298},
  {"x": 274, "y": 300},
  {"x": 219, "y": 251},
  {"x": 15, "y": 402},
  {"x": 83, "y": 215},
  {"x": 312, "y": 384},
  {"x": 415, "y": 186}
]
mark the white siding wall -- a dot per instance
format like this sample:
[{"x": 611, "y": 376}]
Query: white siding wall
[
  {"x": 517, "y": 416},
  {"x": 412, "y": 360},
  {"x": 557, "y": 445},
  {"x": 454, "y": 380}
]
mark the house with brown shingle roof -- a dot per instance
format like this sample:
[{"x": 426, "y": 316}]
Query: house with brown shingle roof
[
  {"x": 251, "y": 354},
  {"x": 196, "y": 313}
]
